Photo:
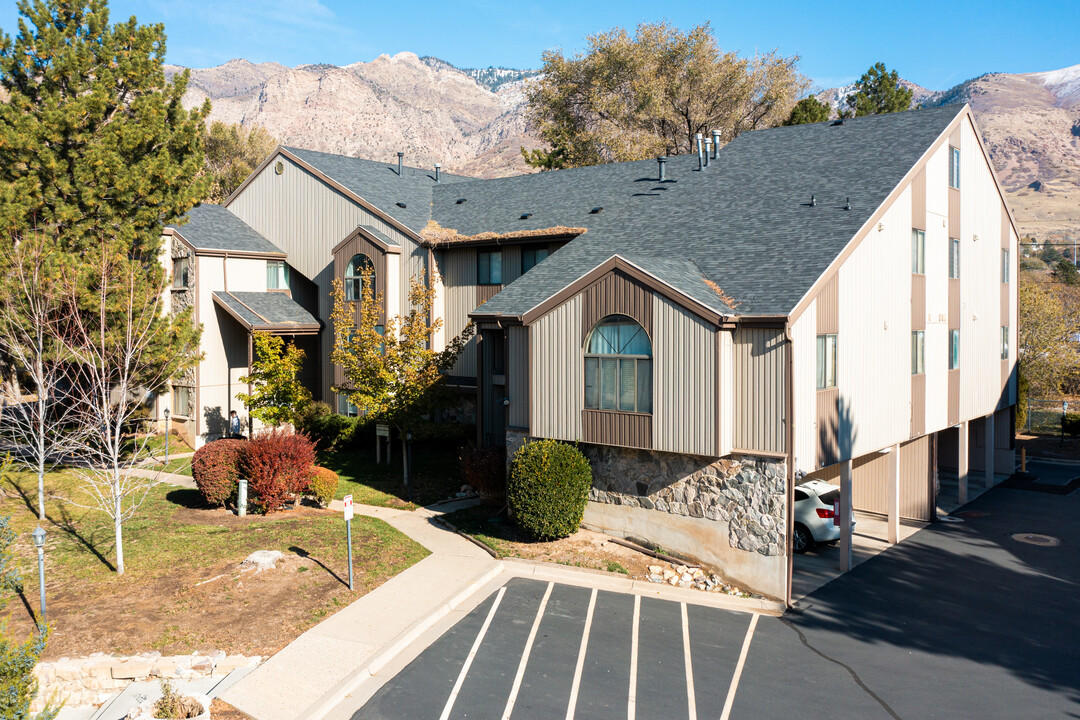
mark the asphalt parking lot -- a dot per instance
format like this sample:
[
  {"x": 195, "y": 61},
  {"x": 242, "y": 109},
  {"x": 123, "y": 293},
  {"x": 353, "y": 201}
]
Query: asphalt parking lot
[{"x": 961, "y": 620}]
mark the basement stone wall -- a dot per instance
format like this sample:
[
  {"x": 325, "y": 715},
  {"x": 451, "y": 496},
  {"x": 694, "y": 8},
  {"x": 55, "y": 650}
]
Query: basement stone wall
[{"x": 745, "y": 492}]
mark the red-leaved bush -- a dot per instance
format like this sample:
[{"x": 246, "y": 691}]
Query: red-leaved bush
[
  {"x": 324, "y": 484},
  {"x": 216, "y": 469},
  {"x": 485, "y": 470},
  {"x": 278, "y": 468}
]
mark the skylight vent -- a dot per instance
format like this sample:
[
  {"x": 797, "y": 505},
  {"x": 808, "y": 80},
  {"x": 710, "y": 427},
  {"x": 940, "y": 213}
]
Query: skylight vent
[
  {"x": 526, "y": 216},
  {"x": 596, "y": 210},
  {"x": 400, "y": 205},
  {"x": 460, "y": 201}
]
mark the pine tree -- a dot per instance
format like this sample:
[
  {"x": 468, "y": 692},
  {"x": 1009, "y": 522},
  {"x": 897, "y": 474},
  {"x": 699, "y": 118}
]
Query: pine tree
[
  {"x": 878, "y": 92},
  {"x": 94, "y": 142},
  {"x": 808, "y": 110}
]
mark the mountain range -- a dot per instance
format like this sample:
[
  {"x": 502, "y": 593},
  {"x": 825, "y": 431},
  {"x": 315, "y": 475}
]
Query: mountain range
[{"x": 472, "y": 120}]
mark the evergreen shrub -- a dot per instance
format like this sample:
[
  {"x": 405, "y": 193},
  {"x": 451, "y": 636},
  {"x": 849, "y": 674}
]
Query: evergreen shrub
[
  {"x": 548, "y": 488},
  {"x": 216, "y": 470}
]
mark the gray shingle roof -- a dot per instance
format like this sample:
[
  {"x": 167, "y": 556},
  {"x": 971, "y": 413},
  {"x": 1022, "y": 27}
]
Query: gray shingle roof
[
  {"x": 745, "y": 222},
  {"x": 266, "y": 310},
  {"x": 212, "y": 227},
  {"x": 380, "y": 235},
  {"x": 378, "y": 183}
]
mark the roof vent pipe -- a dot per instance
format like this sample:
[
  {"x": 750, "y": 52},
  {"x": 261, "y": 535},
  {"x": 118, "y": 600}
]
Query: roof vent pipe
[
  {"x": 662, "y": 164},
  {"x": 700, "y": 159},
  {"x": 715, "y": 143},
  {"x": 438, "y": 167},
  {"x": 708, "y": 151},
  {"x": 400, "y": 155}
]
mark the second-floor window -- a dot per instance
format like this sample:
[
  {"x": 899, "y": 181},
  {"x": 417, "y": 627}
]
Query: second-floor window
[
  {"x": 489, "y": 267},
  {"x": 954, "y": 349},
  {"x": 918, "y": 352},
  {"x": 954, "y": 258},
  {"x": 1004, "y": 342},
  {"x": 618, "y": 366},
  {"x": 918, "y": 251},
  {"x": 1004, "y": 265},
  {"x": 277, "y": 275},
  {"x": 954, "y": 167},
  {"x": 181, "y": 272},
  {"x": 358, "y": 267},
  {"x": 531, "y": 257},
  {"x": 826, "y": 361}
]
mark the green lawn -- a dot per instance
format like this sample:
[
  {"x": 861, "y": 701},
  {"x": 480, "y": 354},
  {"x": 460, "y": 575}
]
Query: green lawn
[
  {"x": 154, "y": 446},
  {"x": 436, "y": 475},
  {"x": 179, "y": 466}
]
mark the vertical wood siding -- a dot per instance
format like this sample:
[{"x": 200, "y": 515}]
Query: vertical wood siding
[
  {"x": 306, "y": 218},
  {"x": 684, "y": 381},
  {"x": 517, "y": 376},
  {"x": 357, "y": 246},
  {"x": 458, "y": 270},
  {"x": 828, "y": 424},
  {"x": 828, "y": 307},
  {"x": 485, "y": 293},
  {"x": 954, "y": 397},
  {"x": 725, "y": 395},
  {"x": 918, "y": 200},
  {"x": 918, "y": 404},
  {"x": 759, "y": 370},
  {"x": 557, "y": 382},
  {"x": 605, "y": 427},
  {"x": 870, "y": 481},
  {"x": 918, "y": 302},
  {"x": 619, "y": 294},
  {"x": 804, "y": 385}
]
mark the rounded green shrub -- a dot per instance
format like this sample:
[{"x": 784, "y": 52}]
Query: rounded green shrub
[
  {"x": 548, "y": 488},
  {"x": 215, "y": 468}
]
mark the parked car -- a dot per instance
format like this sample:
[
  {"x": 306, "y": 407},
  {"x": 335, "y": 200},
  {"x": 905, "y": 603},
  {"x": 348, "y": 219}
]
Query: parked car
[{"x": 814, "y": 516}]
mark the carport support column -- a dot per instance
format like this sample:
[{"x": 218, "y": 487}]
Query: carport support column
[
  {"x": 962, "y": 462},
  {"x": 988, "y": 441},
  {"x": 845, "y": 516},
  {"x": 894, "y": 494}
]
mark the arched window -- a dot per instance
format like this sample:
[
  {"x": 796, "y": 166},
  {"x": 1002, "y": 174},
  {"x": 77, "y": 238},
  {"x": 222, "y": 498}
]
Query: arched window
[
  {"x": 618, "y": 366},
  {"x": 354, "y": 276}
]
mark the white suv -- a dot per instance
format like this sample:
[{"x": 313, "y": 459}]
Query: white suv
[{"x": 814, "y": 516}]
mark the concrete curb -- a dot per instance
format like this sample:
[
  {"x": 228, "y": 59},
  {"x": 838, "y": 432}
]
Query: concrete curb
[
  {"x": 354, "y": 680},
  {"x": 616, "y": 583}
]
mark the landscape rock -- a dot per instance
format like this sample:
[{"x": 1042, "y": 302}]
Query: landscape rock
[{"x": 262, "y": 560}]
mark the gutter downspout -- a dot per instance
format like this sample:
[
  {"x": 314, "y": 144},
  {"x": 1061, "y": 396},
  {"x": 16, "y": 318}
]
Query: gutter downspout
[{"x": 789, "y": 441}]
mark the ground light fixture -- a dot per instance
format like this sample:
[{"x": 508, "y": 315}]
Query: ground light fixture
[
  {"x": 167, "y": 436},
  {"x": 39, "y": 541}
]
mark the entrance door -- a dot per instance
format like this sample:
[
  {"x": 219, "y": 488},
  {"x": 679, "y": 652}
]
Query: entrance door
[{"x": 492, "y": 387}]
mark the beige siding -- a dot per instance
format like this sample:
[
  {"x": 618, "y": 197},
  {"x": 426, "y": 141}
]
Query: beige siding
[
  {"x": 870, "y": 481},
  {"x": 306, "y": 218},
  {"x": 458, "y": 270},
  {"x": 726, "y": 393},
  {"x": 517, "y": 376},
  {"x": 759, "y": 375},
  {"x": 803, "y": 338},
  {"x": 557, "y": 383},
  {"x": 684, "y": 381}
]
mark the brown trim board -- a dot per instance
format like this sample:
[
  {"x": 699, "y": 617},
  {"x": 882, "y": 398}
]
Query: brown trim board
[{"x": 370, "y": 237}]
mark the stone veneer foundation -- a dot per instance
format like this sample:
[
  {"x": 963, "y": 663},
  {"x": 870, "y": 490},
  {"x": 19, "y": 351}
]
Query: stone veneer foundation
[{"x": 746, "y": 492}]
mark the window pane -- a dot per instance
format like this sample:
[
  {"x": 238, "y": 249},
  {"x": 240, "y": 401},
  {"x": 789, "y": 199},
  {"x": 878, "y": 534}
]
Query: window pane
[
  {"x": 483, "y": 268},
  {"x": 918, "y": 251},
  {"x": 496, "y": 267},
  {"x": 1004, "y": 266},
  {"x": 592, "y": 382},
  {"x": 644, "y": 386},
  {"x": 633, "y": 340},
  {"x": 627, "y": 385},
  {"x": 608, "y": 382},
  {"x": 831, "y": 357},
  {"x": 820, "y": 362}
]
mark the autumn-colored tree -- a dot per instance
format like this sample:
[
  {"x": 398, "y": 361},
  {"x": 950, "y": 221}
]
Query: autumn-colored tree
[
  {"x": 277, "y": 396},
  {"x": 232, "y": 153},
  {"x": 877, "y": 92},
  {"x": 395, "y": 376},
  {"x": 635, "y": 97},
  {"x": 1046, "y": 347},
  {"x": 808, "y": 110}
]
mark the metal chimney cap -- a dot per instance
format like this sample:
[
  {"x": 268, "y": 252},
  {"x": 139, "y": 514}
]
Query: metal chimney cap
[
  {"x": 437, "y": 165},
  {"x": 400, "y": 154}
]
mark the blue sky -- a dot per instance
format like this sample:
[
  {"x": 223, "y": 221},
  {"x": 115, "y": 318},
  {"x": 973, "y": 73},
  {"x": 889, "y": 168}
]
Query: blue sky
[{"x": 936, "y": 43}]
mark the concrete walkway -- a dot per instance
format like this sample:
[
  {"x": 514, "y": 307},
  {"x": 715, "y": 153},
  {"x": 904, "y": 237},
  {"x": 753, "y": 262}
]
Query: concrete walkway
[
  {"x": 183, "y": 481},
  {"x": 355, "y": 642}
]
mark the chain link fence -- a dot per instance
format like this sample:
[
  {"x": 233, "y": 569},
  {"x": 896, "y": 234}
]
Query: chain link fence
[{"x": 1044, "y": 417}]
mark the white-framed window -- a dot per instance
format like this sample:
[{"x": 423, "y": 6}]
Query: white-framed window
[
  {"x": 918, "y": 352},
  {"x": 826, "y": 361},
  {"x": 358, "y": 267},
  {"x": 532, "y": 256},
  {"x": 182, "y": 396},
  {"x": 954, "y": 258},
  {"x": 618, "y": 366},
  {"x": 918, "y": 251},
  {"x": 346, "y": 408},
  {"x": 1004, "y": 265},
  {"x": 1004, "y": 342},
  {"x": 181, "y": 272},
  {"x": 489, "y": 267},
  {"x": 954, "y": 167},
  {"x": 277, "y": 275},
  {"x": 954, "y": 349}
]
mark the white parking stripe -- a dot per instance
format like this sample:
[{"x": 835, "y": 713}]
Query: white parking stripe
[
  {"x": 738, "y": 669},
  {"x": 692, "y": 702},
  {"x": 472, "y": 654},
  {"x": 631, "y": 703},
  {"x": 525, "y": 654},
  {"x": 571, "y": 708}
]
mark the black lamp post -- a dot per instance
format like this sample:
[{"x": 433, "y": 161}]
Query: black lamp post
[
  {"x": 39, "y": 541},
  {"x": 167, "y": 413}
]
